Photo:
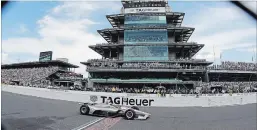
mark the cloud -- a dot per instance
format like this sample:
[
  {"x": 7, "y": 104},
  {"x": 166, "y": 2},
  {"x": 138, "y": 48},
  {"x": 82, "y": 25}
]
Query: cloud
[
  {"x": 65, "y": 31},
  {"x": 4, "y": 58},
  {"x": 23, "y": 28},
  {"x": 217, "y": 28},
  {"x": 213, "y": 17},
  {"x": 84, "y": 9}
]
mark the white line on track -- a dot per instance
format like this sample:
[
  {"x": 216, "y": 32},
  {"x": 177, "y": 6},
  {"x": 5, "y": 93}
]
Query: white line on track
[{"x": 88, "y": 124}]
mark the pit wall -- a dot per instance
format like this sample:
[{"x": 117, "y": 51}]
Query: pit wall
[{"x": 171, "y": 100}]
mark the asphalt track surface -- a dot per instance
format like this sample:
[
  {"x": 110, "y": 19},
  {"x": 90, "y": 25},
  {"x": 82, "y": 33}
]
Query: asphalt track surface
[{"x": 21, "y": 112}]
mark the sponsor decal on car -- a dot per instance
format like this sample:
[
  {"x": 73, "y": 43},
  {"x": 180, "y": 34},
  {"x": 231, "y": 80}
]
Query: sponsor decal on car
[{"x": 128, "y": 101}]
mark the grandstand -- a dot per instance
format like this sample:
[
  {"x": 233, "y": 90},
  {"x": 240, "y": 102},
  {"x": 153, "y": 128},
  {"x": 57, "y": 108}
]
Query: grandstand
[
  {"x": 41, "y": 74},
  {"x": 148, "y": 47}
]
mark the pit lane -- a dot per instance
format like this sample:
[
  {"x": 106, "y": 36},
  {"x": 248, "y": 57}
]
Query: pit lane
[{"x": 31, "y": 113}]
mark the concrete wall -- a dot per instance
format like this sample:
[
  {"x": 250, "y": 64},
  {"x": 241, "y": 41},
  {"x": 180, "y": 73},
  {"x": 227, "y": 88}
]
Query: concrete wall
[{"x": 176, "y": 100}]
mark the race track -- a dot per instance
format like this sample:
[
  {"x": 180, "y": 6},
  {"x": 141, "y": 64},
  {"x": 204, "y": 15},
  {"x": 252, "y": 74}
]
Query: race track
[{"x": 30, "y": 113}]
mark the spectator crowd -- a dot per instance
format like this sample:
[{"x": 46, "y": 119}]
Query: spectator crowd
[
  {"x": 26, "y": 76},
  {"x": 174, "y": 60},
  {"x": 110, "y": 63},
  {"x": 149, "y": 65},
  {"x": 228, "y": 65},
  {"x": 235, "y": 87},
  {"x": 201, "y": 88},
  {"x": 69, "y": 76}
]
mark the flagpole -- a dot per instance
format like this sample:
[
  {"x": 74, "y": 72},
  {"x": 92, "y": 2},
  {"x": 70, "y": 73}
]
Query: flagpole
[
  {"x": 256, "y": 53},
  {"x": 220, "y": 57}
]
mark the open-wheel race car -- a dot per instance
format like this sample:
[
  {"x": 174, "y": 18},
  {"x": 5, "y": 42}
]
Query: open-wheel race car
[{"x": 108, "y": 110}]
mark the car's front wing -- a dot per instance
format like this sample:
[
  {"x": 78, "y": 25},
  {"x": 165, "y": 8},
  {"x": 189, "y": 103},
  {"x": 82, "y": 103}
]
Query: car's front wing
[{"x": 142, "y": 115}]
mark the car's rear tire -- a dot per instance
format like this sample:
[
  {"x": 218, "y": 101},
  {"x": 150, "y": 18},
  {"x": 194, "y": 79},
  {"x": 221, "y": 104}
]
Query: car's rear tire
[
  {"x": 135, "y": 107},
  {"x": 84, "y": 110},
  {"x": 130, "y": 114}
]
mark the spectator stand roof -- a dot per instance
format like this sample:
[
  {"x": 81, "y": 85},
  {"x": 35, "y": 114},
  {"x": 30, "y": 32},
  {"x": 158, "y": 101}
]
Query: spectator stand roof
[
  {"x": 39, "y": 64},
  {"x": 188, "y": 48},
  {"x": 174, "y": 18},
  {"x": 181, "y": 33}
]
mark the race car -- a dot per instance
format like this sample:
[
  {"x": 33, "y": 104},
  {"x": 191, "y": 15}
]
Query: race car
[{"x": 109, "y": 110}]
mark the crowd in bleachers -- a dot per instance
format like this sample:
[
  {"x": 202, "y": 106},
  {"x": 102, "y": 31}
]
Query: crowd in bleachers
[
  {"x": 159, "y": 66},
  {"x": 149, "y": 65},
  {"x": 202, "y": 88},
  {"x": 26, "y": 76},
  {"x": 236, "y": 87},
  {"x": 107, "y": 63},
  {"x": 174, "y": 60},
  {"x": 117, "y": 89},
  {"x": 69, "y": 76},
  {"x": 102, "y": 60},
  {"x": 228, "y": 65}
]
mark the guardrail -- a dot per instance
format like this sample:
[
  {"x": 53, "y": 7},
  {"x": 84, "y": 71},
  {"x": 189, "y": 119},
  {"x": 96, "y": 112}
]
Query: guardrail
[{"x": 170, "y": 100}]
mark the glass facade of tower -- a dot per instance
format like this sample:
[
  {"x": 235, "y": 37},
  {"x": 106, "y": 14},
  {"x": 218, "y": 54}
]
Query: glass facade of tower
[{"x": 146, "y": 36}]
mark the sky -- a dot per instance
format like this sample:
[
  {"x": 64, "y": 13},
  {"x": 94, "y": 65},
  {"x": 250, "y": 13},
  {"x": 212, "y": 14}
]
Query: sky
[{"x": 68, "y": 28}]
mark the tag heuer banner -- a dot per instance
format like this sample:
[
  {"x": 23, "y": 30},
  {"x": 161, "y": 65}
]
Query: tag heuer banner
[{"x": 145, "y": 9}]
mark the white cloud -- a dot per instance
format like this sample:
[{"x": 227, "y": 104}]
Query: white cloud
[
  {"x": 84, "y": 9},
  {"x": 4, "y": 58},
  {"x": 65, "y": 32},
  {"x": 213, "y": 17},
  {"x": 213, "y": 31},
  {"x": 23, "y": 28}
]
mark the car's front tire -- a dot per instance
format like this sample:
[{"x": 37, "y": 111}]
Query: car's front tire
[
  {"x": 84, "y": 110},
  {"x": 130, "y": 114}
]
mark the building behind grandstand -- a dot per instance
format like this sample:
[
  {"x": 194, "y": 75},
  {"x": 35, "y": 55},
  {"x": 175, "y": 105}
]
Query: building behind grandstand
[{"x": 147, "y": 49}]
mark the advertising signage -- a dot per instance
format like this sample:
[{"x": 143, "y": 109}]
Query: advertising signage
[
  {"x": 145, "y": 10},
  {"x": 45, "y": 56}
]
